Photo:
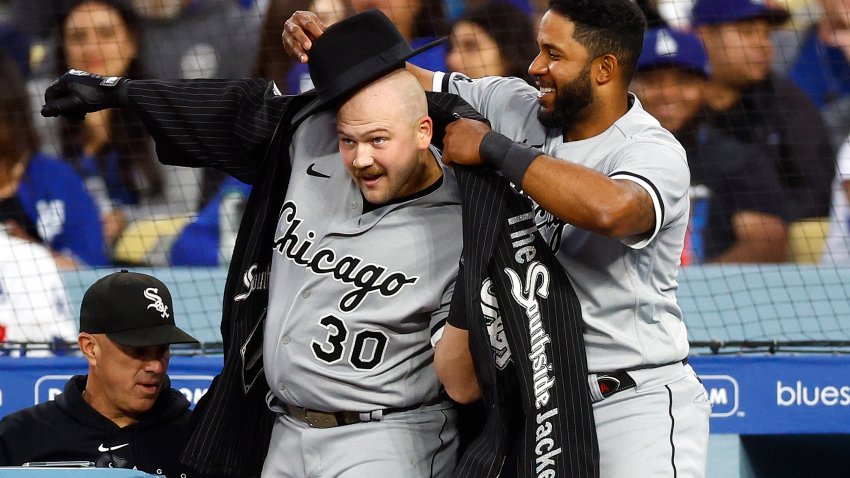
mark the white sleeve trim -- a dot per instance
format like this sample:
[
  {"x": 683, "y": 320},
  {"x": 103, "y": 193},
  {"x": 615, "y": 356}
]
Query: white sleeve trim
[
  {"x": 437, "y": 335},
  {"x": 632, "y": 241},
  {"x": 437, "y": 82}
]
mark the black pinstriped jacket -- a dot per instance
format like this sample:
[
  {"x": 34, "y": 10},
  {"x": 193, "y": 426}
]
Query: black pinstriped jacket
[
  {"x": 230, "y": 126},
  {"x": 528, "y": 346},
  {"x": 233, "y": 126}
]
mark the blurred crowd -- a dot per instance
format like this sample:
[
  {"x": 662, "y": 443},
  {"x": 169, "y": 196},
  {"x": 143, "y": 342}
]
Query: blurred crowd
[{"x": 757, "y": 91}]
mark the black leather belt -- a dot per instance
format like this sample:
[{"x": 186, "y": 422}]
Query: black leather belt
[
  {"x": 319, "y": 419},
  {"x": 615, "y": 382}
]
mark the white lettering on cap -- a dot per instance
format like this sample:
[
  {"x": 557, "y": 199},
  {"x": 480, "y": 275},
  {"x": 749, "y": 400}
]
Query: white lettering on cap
[
  {"x": 151, "y": 294},
  {"x": 666, "y": 45}
]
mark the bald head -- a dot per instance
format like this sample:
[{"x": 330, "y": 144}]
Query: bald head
[
  {"x": 398, "y": 94},
  {"x": 384, "y": 138}
]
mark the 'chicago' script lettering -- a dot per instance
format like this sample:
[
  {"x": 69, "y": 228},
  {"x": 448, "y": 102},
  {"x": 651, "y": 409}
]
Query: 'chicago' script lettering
[{"x": 364, "y": 277}]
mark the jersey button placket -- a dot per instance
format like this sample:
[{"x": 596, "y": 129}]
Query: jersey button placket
[
  {"x": 305, "y": 294},
  {"x": 285, "y": 340}
]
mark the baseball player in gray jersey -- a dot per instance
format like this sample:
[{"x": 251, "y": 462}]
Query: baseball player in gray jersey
[
  {"x": 366, "y": 256},
  {"x": 362, "y": 282},
  {"x": 611, "y": 188}
]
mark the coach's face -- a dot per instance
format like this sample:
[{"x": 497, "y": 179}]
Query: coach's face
[
  {"x": 562, "y": 69},
  {"x": 124, "y": 382},
  {"x": 383, "y": 140}
]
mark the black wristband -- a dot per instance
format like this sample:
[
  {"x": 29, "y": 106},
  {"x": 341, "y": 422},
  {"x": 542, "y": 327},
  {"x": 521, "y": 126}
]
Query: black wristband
[
  {"x": 115, "y": 93},
  {"x": 123, "y": 95},
  {"x": 512, "y": 159}
]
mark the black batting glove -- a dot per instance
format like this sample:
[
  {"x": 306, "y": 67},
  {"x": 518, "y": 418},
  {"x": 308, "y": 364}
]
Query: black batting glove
[{"x": 79, "y": 92}]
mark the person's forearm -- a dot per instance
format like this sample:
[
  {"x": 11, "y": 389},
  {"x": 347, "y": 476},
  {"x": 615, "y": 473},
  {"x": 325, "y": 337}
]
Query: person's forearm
[
  {"x": 742, "y": 252},
  {"x": 425, "y": 77},
  {"x": 588, "y": 199},
  {"x": 454, "y": 366},
  {"x": 759, "y": 237}
]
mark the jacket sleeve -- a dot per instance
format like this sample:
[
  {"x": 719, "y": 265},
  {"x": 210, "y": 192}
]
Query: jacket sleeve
[
  {"x": 443, "y": 108},
  {"x": 5, "y": 434},
  {"x": 223, "y": 124}
]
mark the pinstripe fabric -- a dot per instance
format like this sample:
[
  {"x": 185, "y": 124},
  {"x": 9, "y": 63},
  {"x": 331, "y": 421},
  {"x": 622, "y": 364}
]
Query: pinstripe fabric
[
  {"x": 228, "y": 125},
  {"x": 551, "y": 430},
  {"x": 233, "y": 126}
]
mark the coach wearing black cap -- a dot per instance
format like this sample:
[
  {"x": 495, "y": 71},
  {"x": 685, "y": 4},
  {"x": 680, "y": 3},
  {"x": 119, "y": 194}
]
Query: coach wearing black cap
[{"x": 123, "y": 413}]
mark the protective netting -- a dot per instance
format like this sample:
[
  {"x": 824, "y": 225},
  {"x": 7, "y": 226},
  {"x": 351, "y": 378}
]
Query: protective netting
[{"x": 764, "y": 117}]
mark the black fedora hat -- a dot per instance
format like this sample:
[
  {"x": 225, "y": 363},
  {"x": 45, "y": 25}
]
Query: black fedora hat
[{"x": 352, "y": 53}]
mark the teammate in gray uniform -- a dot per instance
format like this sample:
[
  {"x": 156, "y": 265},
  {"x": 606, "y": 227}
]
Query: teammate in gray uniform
[
  {"x": 365, "y": 256},
  {"x": 362, "y": 284},
  {"x": 611, "y": 187}
]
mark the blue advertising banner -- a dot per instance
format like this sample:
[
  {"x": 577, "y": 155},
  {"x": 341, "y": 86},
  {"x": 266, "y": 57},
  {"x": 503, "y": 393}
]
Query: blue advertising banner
[
  {"x": 28, "y": 381},
  {"x": 777, "y": 395},
  {"x": 750, "y": 394}
]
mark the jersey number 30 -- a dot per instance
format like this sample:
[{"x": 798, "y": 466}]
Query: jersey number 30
[{"x": 367, "y": 348}]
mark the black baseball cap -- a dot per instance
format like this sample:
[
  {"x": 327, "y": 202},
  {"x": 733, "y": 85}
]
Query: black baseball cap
[{"x": 132, "y": 309}]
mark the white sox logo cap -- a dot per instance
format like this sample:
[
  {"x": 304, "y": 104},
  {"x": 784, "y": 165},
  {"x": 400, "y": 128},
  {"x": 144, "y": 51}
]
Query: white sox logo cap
[{"x": 132, "y": 309}]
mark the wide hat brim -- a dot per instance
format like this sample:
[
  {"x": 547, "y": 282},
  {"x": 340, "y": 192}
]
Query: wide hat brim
[
  {"x": 353, "y": 53},
  {"x": 151, "y": 336}
]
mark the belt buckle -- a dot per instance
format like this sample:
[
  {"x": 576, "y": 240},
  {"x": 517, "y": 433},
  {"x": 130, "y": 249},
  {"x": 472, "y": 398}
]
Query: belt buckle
[{"x": 317, "y": 419}]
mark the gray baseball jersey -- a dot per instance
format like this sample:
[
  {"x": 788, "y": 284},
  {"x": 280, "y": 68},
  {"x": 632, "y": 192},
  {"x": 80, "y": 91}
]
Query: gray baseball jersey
[
  {"x": 627, "y": 288},
  {"x": 356, "y": 300}
]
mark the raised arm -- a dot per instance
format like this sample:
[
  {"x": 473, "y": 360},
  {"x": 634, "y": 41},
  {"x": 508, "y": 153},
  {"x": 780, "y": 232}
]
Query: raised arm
[
  {"x": 425, "y": 77},
  {"x": 217, "y": 123},
  {"x": 578, "y": 195}
]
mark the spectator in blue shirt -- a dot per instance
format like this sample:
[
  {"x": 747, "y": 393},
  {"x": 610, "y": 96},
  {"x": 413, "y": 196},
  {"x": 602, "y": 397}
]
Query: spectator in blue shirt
[
  {"x": 111, "y": 151},
  {"x": 822, "y": 65},
  {"x": 208, "y": 239},
  {"x": 42, "y": 199}
]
